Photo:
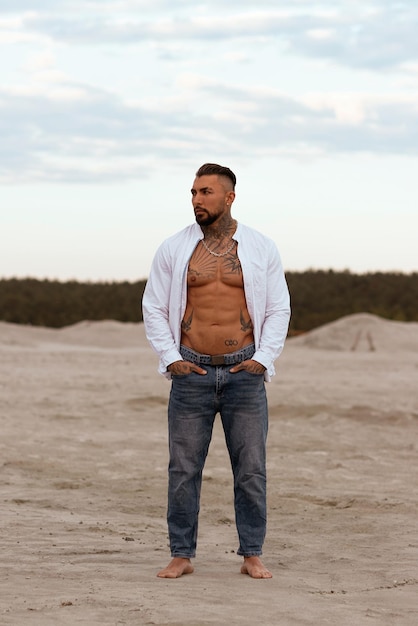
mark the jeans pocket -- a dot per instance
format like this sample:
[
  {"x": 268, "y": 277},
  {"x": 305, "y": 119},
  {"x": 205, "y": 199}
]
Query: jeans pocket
[{"x": 180, "y": 376}]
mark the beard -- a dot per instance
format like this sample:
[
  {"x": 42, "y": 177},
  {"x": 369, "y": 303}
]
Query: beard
[{"x": 206, "y": 220}]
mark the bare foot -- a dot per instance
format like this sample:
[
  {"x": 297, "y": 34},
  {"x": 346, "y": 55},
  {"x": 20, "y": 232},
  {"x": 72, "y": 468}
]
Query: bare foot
[
  {"x": 176, "y": 568},
  {"x": 255, "y": 568}
]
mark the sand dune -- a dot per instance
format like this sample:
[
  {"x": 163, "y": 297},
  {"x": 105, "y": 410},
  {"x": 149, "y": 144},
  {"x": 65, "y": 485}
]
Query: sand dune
[
  {"x": 363, "y": 332},
  {"x": 358, "y": 332},
  {"x": 102, "y": 334},
  {"x": 83, "y": 476}
]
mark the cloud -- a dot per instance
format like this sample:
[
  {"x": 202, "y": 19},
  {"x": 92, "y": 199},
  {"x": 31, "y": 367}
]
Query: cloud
[
  {"x": 357, "y": 35},
  {"x": 333, "y": 123},
  {"x": 60, "y": 126},
  {"x": 80, "y": 137},
  {"x": 383, "y": 38},
  {"x": 71, "y": 131}
]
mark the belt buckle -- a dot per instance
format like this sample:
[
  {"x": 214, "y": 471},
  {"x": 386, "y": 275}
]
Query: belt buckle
[{"x": 217, "y": 359}]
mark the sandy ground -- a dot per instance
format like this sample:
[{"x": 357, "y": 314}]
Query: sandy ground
[{"x": 83, "y": 484}]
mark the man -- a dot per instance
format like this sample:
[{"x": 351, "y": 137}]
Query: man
[{"x": 216, "y": 310}]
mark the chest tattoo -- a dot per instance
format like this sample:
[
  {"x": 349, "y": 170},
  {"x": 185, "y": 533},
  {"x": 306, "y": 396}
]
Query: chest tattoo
[
  {"x": 232, "y": 264},
  {"x": 202, "y": 264}
]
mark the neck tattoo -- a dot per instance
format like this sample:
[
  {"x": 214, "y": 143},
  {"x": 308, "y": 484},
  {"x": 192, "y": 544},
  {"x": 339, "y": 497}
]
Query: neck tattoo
[{"x": 231, "y": 227}]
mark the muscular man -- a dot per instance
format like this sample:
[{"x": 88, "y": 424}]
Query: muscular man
[{"x": 216, "y": 310}]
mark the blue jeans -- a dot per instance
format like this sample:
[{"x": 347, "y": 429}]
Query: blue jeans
[{"x": 195, "y": 400}]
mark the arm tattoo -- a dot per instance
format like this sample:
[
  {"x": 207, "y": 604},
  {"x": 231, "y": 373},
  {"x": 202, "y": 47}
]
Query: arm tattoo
[
  {"x": 186, "y": 324},
  {"x": 245, "y": 325}
]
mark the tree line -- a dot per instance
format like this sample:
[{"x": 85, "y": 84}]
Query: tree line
[{"x": 318, "y": 297}]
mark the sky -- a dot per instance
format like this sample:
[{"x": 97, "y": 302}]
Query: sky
[{"x": 108, "y": 108}]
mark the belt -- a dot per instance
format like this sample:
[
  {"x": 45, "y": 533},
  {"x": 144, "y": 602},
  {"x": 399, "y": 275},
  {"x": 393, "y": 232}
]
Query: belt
[{"x": 217, "y": 359}]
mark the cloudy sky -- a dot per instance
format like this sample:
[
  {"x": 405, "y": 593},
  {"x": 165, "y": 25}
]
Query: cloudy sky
[{"x": 107, "y": 108}]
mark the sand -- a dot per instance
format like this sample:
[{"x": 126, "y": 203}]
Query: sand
[{"x": 83, "y": 484}]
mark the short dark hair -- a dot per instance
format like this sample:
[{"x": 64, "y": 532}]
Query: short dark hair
[{"x": 209, "y": 169}]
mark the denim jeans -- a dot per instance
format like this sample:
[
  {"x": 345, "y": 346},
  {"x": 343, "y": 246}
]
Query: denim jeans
[{"x": 195, "y": 400}]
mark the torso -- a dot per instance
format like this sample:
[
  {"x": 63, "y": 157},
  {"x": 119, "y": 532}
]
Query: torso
[{"x": 216, "y": 320}]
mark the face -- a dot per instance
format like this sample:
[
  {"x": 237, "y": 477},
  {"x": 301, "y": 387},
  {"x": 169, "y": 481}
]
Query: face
[{"x": 211, "y": 199}]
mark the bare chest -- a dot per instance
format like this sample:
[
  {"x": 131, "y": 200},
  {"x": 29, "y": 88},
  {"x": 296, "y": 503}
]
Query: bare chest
[{"x": 206, "y": 268}]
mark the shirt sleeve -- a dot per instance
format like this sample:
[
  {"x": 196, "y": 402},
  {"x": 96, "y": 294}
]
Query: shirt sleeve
[
  {"x": 155, "y": 308},
  {"x": 277, "y": 313}
]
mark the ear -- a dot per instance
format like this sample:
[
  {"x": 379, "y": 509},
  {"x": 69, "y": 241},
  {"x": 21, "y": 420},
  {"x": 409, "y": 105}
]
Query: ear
[{"x": 230, "y": 197}]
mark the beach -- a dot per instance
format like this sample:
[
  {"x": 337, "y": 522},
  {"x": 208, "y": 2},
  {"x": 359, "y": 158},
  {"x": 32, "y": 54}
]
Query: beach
[{"x": 84, "y": 482}]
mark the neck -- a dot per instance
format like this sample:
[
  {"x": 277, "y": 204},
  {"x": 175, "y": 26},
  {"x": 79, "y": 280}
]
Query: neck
[{"x": 225, "y": 228}]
